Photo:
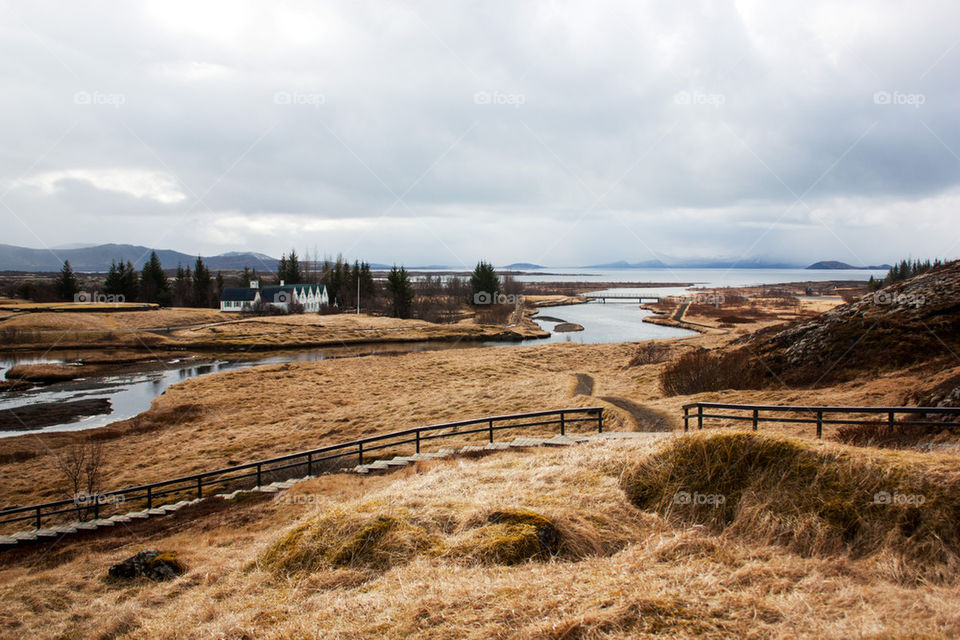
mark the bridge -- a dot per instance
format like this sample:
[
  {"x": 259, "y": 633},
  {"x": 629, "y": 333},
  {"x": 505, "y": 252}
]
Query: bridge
[{"x": 603, "y": 297}]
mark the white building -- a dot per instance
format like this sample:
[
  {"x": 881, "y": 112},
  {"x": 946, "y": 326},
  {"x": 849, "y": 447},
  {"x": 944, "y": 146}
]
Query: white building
[{"x": 311, "y": 296}]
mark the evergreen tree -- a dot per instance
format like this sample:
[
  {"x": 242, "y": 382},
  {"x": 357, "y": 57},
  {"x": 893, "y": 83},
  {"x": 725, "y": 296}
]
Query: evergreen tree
[
  {"x": 220, "y": 283},
  {"x": 246, "y": 276},
  {"x": 401, "y": 291},
  {"x": 122, "y": 280},
  {"x": 67, "y": 285},
  {"x": 153, "y": 282},
  {"x": 201, "y": 284},
  {"x": 181, "y": 287},
  {"x": 368, "y": 287},
  {"x": 484, "y": 283},
  {"x": 282, "y": 268}
]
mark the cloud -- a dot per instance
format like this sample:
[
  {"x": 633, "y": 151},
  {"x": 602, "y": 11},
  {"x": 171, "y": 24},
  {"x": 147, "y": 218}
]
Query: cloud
[{"x": 440, "y": 132}]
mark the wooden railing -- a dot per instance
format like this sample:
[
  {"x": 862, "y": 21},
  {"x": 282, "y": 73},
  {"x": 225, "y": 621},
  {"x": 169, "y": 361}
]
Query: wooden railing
[
  {"x": 813, "y": 415},
  {"x": 329, "y": 458}
]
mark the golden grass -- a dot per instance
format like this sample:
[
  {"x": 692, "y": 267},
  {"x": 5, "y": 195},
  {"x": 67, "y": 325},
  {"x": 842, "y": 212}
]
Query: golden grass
[
  {"x": 208, "y": 329},
  {"x": 648, "y": 577},
  {"x": 898, "y": 511}
]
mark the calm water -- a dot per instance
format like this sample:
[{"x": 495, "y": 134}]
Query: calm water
[
  {"x": 701, "y": 277},
  {"x": 610, "y": 322}
]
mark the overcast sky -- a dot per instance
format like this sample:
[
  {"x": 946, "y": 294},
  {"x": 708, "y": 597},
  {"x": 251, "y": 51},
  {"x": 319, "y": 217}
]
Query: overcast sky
[{"x": 445, "y": 132}]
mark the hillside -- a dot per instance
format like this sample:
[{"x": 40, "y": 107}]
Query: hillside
[
  {"x": 98, "y": 258},
  {"x": 906, "y": 323}
]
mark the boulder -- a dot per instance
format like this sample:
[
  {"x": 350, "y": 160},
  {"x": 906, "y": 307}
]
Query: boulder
[{"x": 151, "y": 563}]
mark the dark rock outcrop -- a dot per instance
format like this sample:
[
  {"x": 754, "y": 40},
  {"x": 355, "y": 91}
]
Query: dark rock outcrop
[{"x": 150, "y": 563}]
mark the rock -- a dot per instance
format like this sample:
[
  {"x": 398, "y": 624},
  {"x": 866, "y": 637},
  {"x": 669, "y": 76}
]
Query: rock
[
  {"x": 151, "y": 563},
  {"x": 568, "y": 326}
]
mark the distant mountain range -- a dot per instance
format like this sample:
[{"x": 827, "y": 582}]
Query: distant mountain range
[
  {"x": 834, "y": 264},
  {"x": 705, "y": 263},
  {"x": 98, "y": 258}
]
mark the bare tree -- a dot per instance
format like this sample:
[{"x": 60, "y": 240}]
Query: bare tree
[{"x": 81, "y": 466}]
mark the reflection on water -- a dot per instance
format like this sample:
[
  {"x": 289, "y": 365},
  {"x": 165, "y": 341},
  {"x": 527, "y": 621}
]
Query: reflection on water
[{"x": 607, "y": 322}]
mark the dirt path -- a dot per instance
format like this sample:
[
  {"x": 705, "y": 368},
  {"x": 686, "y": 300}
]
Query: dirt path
[
  {"x": 584, "y": 385},
  {"x": 644, "y": 419}
]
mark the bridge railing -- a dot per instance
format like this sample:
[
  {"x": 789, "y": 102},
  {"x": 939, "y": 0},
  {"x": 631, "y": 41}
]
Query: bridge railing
[
  {"x": 323, "y": 459},
  {"x": 818, "y": 415}
]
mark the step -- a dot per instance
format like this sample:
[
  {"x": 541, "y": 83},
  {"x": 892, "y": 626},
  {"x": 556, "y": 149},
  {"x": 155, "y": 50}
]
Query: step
[
  {"x": 104, "y": 523},
  {"x": 396, "y": 462},
  {"x": 267, "y": 489},
  {"x": 120, "y": 518},
  {"x": 496, "y": 446},
  {"x": 46, "y": 533},
  {"x": 24, "y": 536},
  {"x": 156, "y": 512},
  {"x": 85, "y": 526},
  {"x": 137, "y": 515},
  {"x": 65, "y": 528},
  {"x": 7, "y": 541}
]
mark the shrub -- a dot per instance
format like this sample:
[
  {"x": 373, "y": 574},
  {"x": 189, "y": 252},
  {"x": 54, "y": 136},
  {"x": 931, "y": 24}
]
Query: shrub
[
  {"x": 650, "y": 352},
  {"x": 701, "y": 370},
  {"x": 895, "y": 436}
]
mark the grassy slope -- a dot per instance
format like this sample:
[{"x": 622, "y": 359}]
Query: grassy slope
[{"x": 677, "y": 582}]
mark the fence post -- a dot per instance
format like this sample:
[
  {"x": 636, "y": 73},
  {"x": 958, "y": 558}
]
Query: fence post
[
  {"x": 890, "y": 419},
  {"x": 699, "y": 416},
  {"x": 259, "y": 474},
  {"x": 359, "y": 453},
  {"x": 686, "y": 419},
  {"x": 149, "y": 498},
  {"x": 819, "y": 424},
  {"x": 310, "y": 464},
  {"x": 491, "y": 431},
  {"x": 600, "y": 421},
  {"x": 38, "y": 517},
  {"x": 418, "y": 440},
  {"x": 756, "y": 418},
  {"x": 199, "y": 487},
  {"x": 563, "y": 427},
  {"x": 96, "y": 506}
]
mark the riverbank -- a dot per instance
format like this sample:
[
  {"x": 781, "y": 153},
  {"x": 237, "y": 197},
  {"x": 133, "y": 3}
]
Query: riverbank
[{"x": 207, "y": 330}]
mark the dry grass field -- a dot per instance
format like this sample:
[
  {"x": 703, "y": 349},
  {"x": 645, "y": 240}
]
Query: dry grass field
[
  {"x": 210, "y": 330},
  {"x": 585, "y": 542},
  {"x": 443, "y": 568}
]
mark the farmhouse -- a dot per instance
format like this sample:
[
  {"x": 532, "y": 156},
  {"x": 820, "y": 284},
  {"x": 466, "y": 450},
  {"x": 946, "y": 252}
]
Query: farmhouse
[{"x": 311, "y": 296}]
